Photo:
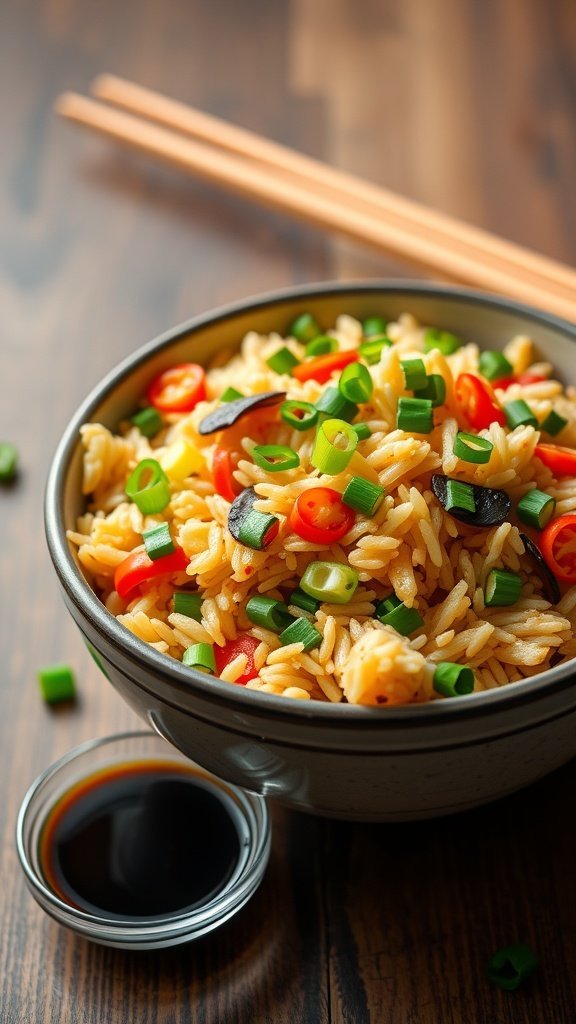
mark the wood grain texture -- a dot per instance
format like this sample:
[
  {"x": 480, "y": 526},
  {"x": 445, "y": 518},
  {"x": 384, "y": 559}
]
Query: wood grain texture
[{"x": 470, "y": 107}]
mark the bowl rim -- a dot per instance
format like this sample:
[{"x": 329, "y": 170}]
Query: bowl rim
[{"x": 186, "y": 681}]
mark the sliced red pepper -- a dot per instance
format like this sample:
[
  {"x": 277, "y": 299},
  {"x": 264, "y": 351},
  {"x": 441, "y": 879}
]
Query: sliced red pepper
[
  {"x": 478, "y": 402},
  {"x": 320, "y": 516},
  {"x": 242, "y": 644},
  {"x": 322, "y": 368},
  {"x": 562, "y": 461},
  {"x": 519, "y": 378},
  {"x": 224, "y": 462},
  {"x": 138, "y": 568},
  {"x": 558, "y": 543},
  {"x": 178, "y": 389}
]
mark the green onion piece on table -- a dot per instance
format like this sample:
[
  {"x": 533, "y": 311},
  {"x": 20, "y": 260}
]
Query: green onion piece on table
[
  {"x": 230, "y": 395},
  {"x": 553, "y": 423},
  {"x": 502, "y": 588},
  {"x": 283, "y": 361},
  {"x": 57, "y": 683},
  {"x": 275, "y": 458},
  {"x": 414, "y": 374},
  {"x": 301, "y": 632},
  {"x": 453, "y": 680},
  {"x": 335, "y": 445},
  {"x": 331, "y": 582},
  {"x": 363, "y": 495},
  {"x": 355, "y": 383},
  {"x": 373, "y": 325},
  {"x": 305, "y": 328},
  {"x": 415, "y": 415},
  {"x": 299, "y": 415},
  {"x": 264, "y": 611},
  {"x": 321, "y": 345},
  {"x": 186, "y": 603},
  {"x": 444, "y": 341},
  {"x": 148, "y": 487},
  {"x": 511, "y": 967},
  {"x": 393, "y": 612},
  {"x": 200, "y": 657},
  {"x": 471, "y": 448},
  {"x": 434, "y": 390},
  {"x": 459, "y": 495},
  {"x": 536, "y": 508},
  {"x": 494, "y": 365},
  {"x": 148, "y": 421},
  {"x": 304, "y": 601},
  {"x": 519, "y": 414},
  {"x": 333, "y": 403},
  {"x": 362, "y": 430},
  {"x": 371, "y": 351},
  {"x": 8, "y": 462},
  {"x": 158, "y": 542}
]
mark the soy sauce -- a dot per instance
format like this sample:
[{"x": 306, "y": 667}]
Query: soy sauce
[{"x": 140, "y": 839}]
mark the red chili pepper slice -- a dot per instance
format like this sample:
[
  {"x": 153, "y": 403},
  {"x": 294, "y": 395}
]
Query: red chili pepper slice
[
  {"x": 178, "y": 389},
  {"x": 478, "y": 402},
  {"x": 224, "y": 462},
  {"x": 558, "y": 544},
  {"x": 562, "y": 461},
  {"x": 322, "y": 368},
  {"x": 320, "y": 516},
  {"x": 519, "y": 378},
  {"x": 242, "y": 644},
  {"x": 138, "y": 568}
]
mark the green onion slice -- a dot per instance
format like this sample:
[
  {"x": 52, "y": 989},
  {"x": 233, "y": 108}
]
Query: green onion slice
[
  {"x": 393, "y": 612},
  {"x": 299, "y": 415},
  {"x": 332, "y": 403},
  {"x": 553, "y": 423},
  {"x": 373, "y": 325},
  {"x": 355, "y": 383},
  {"x": 8, "y": 462},
  {"x": 453, "y": 680},
  {"x": 148, "y": 487},
  {"x": 304, "y": 601},
  {"x": 148, "y": 421},
  {"x": 519, "y": 414},
  {"x": 275, "y": 457},
  {"x": 301, "y": 632},
  {"x": 57, "y": 683},
  {"x": 264, "y": 611},
  {"x": 510, "y": 967},
  {"x": 201, "y": 657},
  {"x": 459, "y": 495},
  {"x": 415, "y": 415},
  {"x": 494, "y": 365},
  {"x": 471, "y": 448},
  {"x": 536, "y": 508},
  {"x": 445, "y": 342},
  {"x": 371, "y": 351},
  {"x": 230, "y": 395},
  {"x": 414, "y": 373},
  {"x": 321, "y": 345},
  {"x": 502, "y": 588},
  {"x": 434, "y": 390},
  {"x": 362, "y": 430},
  {"x": 363, "y": 495},
  {"x": 335, "y": 445},
  {"x": 158, "y": 542},
  {"x": 331, "y": 582},
  {"x": 305, "y": 328},
  {"x": 187, "y": 603},
  {"x": 258, "y": 530},
  {"x": 283, "y": 361}
]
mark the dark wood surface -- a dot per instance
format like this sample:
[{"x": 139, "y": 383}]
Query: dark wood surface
[{"x": 467, "y": 106}]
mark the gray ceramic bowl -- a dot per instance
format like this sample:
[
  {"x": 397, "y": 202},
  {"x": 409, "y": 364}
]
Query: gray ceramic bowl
[{"x": 339, "y": 760}]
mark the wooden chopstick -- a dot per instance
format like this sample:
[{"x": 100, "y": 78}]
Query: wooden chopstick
[
  {"x": 287, "y": 193},
  {"x": 398, "y": 210}
]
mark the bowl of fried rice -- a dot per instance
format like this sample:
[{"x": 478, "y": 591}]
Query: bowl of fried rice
[{"x": 324, "y": 542}]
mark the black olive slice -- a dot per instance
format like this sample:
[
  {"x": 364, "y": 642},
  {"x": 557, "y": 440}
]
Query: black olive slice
[
  {"x": 551, "y": 585},
  {"x": 492, "y": 505},
  {"x": 227, "y": 414}
]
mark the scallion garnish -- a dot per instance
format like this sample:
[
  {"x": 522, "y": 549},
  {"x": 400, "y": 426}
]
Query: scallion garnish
[
  {"x": 471, "y": 448},
  {"x": 57, "y": 683},
  {"x": 200, "y": 657},
  {"x": 415, "y": 415},
  {"x": 264, "y": 611},
  {"x": 459, "y": 495},
  {"x": 335, "y": 445},
  {"x": 186, "y": 603},
  {"x": 8, "y": 462},
  {"x": 258, "y": 529},
  {"x": 230, "y": 395},
  {"x": 301, "y": 632},
  {"x": 158, "y": 542},
  {"x": 321, "y": 345},
  {"x": 371, "y": 351},
  {"x": 519, "y": 414},
  {"x": 553, "y": 423},
  {"x": 434, "y": 390},
  {"x": 414, "y": 374},
  {"x": 304, "y": 601},
  {"x": 536, "y": 508},
  {"x": 283, "y": 361},
  {"x": 373, "y": 325},
  {"x": 453, "y": 680},
  {"x": 305, "y": 328},
  {"x": 275, "y": 458},
  {"x": 444, "y": 341},
  {"x": 502, "y": 588},
  {"x": 363, "y": 495},
  {"x": 510, "y": 967},
  {"x": 148, "y": 487},
  {"x": 362, "y": 430},
  {"x": 148, "y": 421},
  {"x": 299, "y": 415},
  {"x": 494, "y": 365},
  {"x": 334, "y": 404},
  {"x": 330, "y": 582},
  {"x": 393, "y": 612},
  {"x": 355, "y": 383}
]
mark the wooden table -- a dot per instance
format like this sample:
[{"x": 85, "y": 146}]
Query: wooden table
[{"x": 466, "y": 106}]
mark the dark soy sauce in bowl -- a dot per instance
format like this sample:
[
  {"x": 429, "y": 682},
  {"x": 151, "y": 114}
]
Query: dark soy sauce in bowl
[{"x": 140, "y": 840}]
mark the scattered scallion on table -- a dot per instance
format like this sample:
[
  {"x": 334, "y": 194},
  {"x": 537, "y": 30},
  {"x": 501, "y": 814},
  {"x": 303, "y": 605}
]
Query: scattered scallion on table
[
  {"x": 511, "y": 967},
  {"x": 57, "y": 683},
  {"x": 453, "y": 680},
  {"x": 502, "y": 588},
  {"x": 536, "y": 508},
  {"x": 8, "y": 462}
]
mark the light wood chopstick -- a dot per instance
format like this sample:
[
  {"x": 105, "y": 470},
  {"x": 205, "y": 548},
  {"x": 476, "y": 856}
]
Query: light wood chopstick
[
  {"x": 284, "y": 193},
  {"x": 355, "y": 191}
]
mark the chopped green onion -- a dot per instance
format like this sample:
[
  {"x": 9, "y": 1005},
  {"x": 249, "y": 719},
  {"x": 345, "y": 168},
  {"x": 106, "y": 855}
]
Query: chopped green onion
[
  {"x": 553, "y": 423},
  {"x": 415, "y": 415},
  {"x": 536, "y": 508},
  {"x": 393, "y": 612},
  {"x": 362, "y": 430},
  {"x": 186, "y": 603},
  {"x": 373, "y": 325},
  {"x": 371, "y": 350},
  {"x": 414, "y": 374},
  {"x": 275, "y": 457},
  {"x": 363, "y": 495},
  {"x": 301, "y": 632},
  {"x": 453, "y": 680},
  {"x": 158, "y": 542},
  {"x": 355, "y": 383},
  {"x": 335, "y": 445},
  {"x": 230, "y": 395},
  {"x": 502, "y": 588},
  {"x": 305, "y": 328},
  {"x": 148, "y": 487},
  {"x": 299, "y": 415},
  {"x": 148, "y": 421},
  {"x": 321, "y": 345},
  {"x": 57, "y": 683},
  {"x": 304, "y": 601},
  {"x": 435, "y": 390},
  {"x": 445, "y": 342},
  {"x": 283, "y": 361},
  {"x": 510, "y": 967},
  {"x": 519, "y": 414},
  {"x": 494, "y": 365},
  {"x": 330, "y": 582},
  {"x": 471, "y": 448},
  {"x": 8, "y": 462},
  {"x": 258, "y": 530},
  {"x": 264, "y": 611},
  {"x": 333, "y": 403},
  {"x": 459, "y": 495},
  {"x": 201, "y": 657}
]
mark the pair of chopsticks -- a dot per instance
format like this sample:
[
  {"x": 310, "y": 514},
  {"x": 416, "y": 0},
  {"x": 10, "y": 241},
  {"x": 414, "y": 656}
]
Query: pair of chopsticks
[{"x": 245, "y": 162}]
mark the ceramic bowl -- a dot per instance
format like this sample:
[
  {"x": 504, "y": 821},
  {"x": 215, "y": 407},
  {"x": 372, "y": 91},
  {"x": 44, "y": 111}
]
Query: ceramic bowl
[{"x": 380, "y": 764}]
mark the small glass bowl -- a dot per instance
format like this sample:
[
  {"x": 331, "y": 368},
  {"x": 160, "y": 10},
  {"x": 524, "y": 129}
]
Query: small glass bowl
[{"x": 248, "y": 810}]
